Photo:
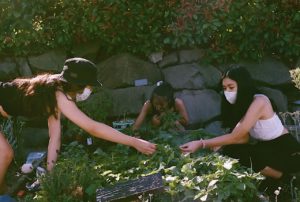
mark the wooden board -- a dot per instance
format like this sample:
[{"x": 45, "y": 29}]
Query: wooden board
[{"x": 121, "y": 191}]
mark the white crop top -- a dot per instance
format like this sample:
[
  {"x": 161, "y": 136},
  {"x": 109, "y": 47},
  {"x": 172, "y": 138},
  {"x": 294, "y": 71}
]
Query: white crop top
[{"x": 267, "y": 129}]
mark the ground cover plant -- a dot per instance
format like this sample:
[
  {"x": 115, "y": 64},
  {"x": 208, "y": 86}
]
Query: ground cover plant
[{"x": 203, "y": 176}]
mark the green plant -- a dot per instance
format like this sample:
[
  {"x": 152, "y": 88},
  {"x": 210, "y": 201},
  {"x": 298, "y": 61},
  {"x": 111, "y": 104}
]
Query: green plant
[
  {"x": 227, "y": 30},
  {"x": 168, "y": 120},
  {"x": 71, "y": 176},
  {"x": 236, "y": 30},
  {"x": 203, "y": 175}
]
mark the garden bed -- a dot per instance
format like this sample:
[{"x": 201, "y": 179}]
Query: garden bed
[{"x": 203, "y": 176}]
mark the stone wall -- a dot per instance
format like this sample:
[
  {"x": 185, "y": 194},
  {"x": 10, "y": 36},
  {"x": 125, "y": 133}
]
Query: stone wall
[{"x": 195, "y": 83}]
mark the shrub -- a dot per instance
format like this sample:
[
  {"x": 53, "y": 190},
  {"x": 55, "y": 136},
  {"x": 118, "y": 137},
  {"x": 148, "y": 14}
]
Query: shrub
[{"x": 228, "y": 30}]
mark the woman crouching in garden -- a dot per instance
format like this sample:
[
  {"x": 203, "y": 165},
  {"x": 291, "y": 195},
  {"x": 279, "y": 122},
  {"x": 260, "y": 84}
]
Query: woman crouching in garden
[
  {"x": 161, "y": 102},
  {"x": 250, "y": 114},
  {"x": 51, "y": 95}
]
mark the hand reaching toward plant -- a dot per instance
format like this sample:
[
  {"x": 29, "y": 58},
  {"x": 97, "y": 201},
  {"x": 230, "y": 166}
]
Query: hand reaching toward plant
[
  {"x": 192, "y": 146},
  {"x": 144, "y": 146}
]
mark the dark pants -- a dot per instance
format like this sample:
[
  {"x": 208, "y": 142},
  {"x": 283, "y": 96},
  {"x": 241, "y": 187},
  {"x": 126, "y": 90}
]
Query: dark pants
[{"x": 282, "y": 154}]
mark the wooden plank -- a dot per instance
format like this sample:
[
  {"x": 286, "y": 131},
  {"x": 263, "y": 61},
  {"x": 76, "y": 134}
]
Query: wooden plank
[{"x": 130, "y": 188}]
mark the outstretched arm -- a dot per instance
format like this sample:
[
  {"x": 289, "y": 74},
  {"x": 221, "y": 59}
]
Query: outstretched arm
[
  {"x": 239, "y": 135},
  {"x": 97, "y": 129},
  {"x": 54, "y": 128},
  {"x": 141, "y": 117}
]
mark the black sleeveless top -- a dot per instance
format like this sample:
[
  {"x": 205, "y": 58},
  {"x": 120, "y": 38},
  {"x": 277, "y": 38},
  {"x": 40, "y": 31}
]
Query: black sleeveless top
[{"x": 11, "y": 99}]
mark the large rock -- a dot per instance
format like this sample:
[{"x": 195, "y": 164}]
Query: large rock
[
  {"x": 8, "y": 70},
  {"x": 190, "y": 56},
  {"x": 99, "y": 105},
  {"x": 24, "y": 67},
  {"x": 269, "y": 71},
  {"x": 181, "y": 57},
  {"x": 123, "y": 69},
  {"x": 168, "y": 60},
  {"x": 51, "y": 61},
  {"x": 129, "y": 100},
  {"x": 192, "y": 76},
  {"x": 202, "y": 105}
]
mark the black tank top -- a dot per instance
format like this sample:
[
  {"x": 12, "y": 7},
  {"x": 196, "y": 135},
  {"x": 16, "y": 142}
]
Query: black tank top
[{"x": 11, "y": 99}]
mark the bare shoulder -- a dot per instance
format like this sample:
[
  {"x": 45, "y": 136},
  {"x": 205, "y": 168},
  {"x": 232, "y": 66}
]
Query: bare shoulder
[
  {"x": 58, "y": 93},
  {"x": 61, "y": 96},
  {"x": 260, "y": 105},
  {"x": 62, "y": 99},
  {"x": 261, "y": 101}
]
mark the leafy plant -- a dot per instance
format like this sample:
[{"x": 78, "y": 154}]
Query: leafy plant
[
  {"x": 202, "y": 176},
  {"x": 168, "y": 120},
  {"x": 71, "y": 176},
  {"x": 227, "y": 30}
]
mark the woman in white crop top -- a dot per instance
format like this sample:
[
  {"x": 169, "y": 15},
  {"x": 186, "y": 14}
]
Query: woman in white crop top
[{"x": 248, "y": 113}]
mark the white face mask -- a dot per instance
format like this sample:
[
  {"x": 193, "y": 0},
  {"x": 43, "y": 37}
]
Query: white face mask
[
  {"x": 230, "y": 96},
  {"x": 84, "y": 95}
]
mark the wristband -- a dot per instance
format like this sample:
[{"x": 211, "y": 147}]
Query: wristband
[{"x": 202, "y": 143}]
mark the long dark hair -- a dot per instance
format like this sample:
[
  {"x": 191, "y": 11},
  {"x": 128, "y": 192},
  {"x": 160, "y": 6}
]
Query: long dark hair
[
  {"x": 164, "y": 90},
  {"x": 38, "y": 94},
  {"x": 231, "y": 114}
]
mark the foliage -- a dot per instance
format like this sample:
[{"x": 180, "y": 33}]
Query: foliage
[
  {"x": 203, "y": 175},
  {"x": 168, "y": 120},
  {"x": 235, "y": 30},
  {"x": 295, "y": 74},
  {"x": 71, "y": 174},
  {"x": 228, "y": 30}
]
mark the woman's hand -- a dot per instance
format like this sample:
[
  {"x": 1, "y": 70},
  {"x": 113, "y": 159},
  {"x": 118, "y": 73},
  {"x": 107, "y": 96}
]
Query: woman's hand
[
  {"x": 192, "y": 146},
  {"x": 144, "y": 146}
]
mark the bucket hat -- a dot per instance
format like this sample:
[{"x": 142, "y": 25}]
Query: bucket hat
[{"x": 80, "y": 71}]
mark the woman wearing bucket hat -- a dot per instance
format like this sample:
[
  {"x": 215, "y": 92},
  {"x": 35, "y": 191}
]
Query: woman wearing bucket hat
[{"x": 51, "y": 95}]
